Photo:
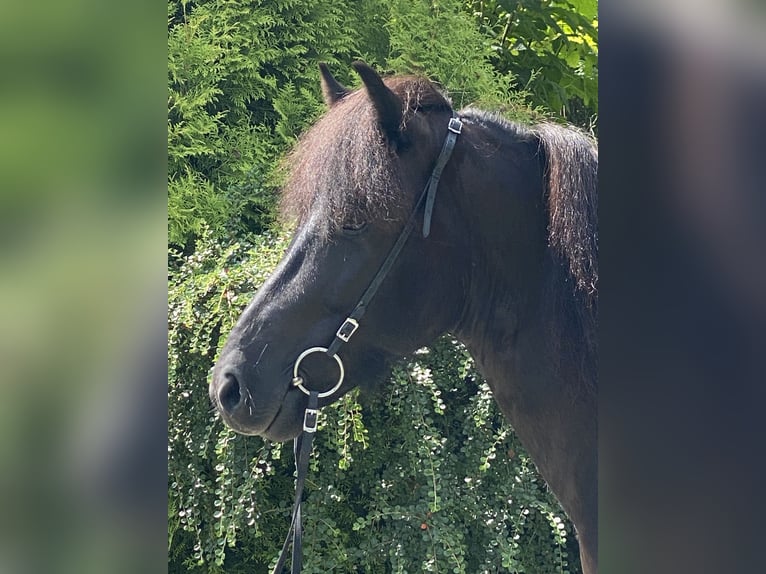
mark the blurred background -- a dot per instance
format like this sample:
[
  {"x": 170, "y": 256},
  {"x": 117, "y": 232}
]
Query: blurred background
[
  {"x": 83, "y": 279},
  {"x": 82, "y": 287},
  {"x": 682, "y": 192}
]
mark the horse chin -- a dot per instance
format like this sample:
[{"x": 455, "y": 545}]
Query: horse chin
[
  {"x": 282, "y": 430},
  {"x": 288, "y": 422}
]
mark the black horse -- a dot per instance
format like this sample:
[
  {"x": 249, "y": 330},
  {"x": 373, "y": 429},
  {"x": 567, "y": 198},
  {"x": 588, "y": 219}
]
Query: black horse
[{"x": 504, "y": 256}]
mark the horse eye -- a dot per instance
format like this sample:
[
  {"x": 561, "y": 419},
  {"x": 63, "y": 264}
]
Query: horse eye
[{"x": 354, "y": 227}]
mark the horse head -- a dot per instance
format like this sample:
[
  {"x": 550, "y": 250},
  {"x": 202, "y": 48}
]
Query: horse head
[{"x": 355, "y": 179}]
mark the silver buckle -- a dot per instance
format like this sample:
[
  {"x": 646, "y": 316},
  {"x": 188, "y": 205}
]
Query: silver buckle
[
  {"x": 310, "y": 420},
  {"x": 343, "y": 333},
  {"x": 455, "y": 125}
]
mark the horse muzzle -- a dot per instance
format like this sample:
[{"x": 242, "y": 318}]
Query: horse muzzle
[{"x": 254, "y": 403}]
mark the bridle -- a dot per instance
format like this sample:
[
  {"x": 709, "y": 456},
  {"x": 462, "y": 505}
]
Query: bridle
[{"x": 302, "y": 444}]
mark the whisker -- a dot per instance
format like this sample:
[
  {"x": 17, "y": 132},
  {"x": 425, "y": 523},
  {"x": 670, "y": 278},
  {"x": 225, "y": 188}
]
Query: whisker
[{"x": 261, "y": 355}]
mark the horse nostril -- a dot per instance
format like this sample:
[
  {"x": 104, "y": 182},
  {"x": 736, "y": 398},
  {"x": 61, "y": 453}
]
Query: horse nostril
[{"x": 229, "y": 395}]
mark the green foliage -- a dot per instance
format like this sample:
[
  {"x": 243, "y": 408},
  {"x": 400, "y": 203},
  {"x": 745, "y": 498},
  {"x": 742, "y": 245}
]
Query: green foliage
[
  {"x": 243, "y": 83},
  {"x": 550, "y": 47},
  {"x": 214, "y": 477},
  {"x": 423, "y": 476},
  {"x": 440, "y": 40}
]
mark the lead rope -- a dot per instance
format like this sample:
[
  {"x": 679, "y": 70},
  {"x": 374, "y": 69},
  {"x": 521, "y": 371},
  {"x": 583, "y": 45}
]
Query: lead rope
[
  {"x": 302, "y": 450},
  {"x": 302, "y": 444}
]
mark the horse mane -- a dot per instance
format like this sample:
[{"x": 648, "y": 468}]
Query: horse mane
[
  {"x": 342, "y": 168},
  {"x": 572, "y": 199},
  {"x": 571, "y": 176}
]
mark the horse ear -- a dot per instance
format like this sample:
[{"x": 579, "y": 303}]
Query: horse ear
[
  {"x": 331, "y": 89},
  {"x": 387, "y": 104}
]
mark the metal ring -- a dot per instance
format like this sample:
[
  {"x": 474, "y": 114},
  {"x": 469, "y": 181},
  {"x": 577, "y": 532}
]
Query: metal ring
[{"x": 302, "y": 356}]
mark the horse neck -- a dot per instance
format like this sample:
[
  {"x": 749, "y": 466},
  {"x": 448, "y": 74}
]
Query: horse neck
[
  {"x": 508, "y": 326},
  {"x": 552, "y": 412},
  {"x": 516, "y": 310},
  {"x": 501, "y": 203}
]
